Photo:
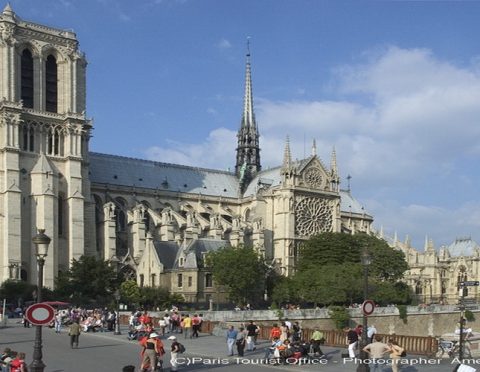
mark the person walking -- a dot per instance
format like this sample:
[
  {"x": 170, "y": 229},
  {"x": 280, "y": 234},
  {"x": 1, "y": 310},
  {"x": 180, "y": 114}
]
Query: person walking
[
  {"x": 317, "y": 339},
  {"x": 74, "y": 332},
  {"x": 187, "y": 326},
  {"x": 58, "y": 322},
  {"x": 241, "y": 341},
  {"x": 174, "y": 350},
  {"x": 371, "y": 332},
  {"x": 352, "y": 340},
  {"x": 395, "y": 353},
  {"x": 376, "y": 350},
  {"x": 195, "y": 326},
  {"x": 251, "y": 333},
  {"x": 231, "y": 339},
  {"x": 152, "y": 352}
]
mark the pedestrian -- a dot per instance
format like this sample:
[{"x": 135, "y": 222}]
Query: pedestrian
[
  {"x": 275, "y": 332},
  {"x": 251, "y": 333},
  {"x": 74, "y": 333},
  {"x": 352, "y": 340},
  {"x": 195, "y": 326},
  {"x": 162, "y": 324},
  {"x": 5, "y": 359},
  {"x": 187, "y": 326},
  {"x": 376, "y": 350},
  {"x": 175, "y": 349},
  {"x": 316, "y": 341},
  {"x": 241, "y": 341},
  {"x": 231, "y": 339},
  {"x": 396, "y": 352},
  {"x": 371, "y": 332},
  {"x": 296, "y": 332},
  {"x": 25, "y": 321},
  {"x": 58, "y": 322},
  {"x": 153, "y": 351},
  {"x": 284, "y": 332},
  {"x": 18, "y": 364}
]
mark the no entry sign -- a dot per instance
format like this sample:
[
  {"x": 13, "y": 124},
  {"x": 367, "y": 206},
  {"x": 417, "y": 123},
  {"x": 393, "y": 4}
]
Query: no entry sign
[
  {"x": 368, "y": 307},
  {"x": 40, "y": 314}
]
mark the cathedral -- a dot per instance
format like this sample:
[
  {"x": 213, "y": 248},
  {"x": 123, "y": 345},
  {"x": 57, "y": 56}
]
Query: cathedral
[{"x": 153, "y": 221}]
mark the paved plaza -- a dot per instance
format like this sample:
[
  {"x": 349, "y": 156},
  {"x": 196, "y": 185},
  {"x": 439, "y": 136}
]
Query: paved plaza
[{"x": 105, "y": 352}]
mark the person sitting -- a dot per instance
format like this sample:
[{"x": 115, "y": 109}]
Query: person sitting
[
  {"x": 285, "y": 352},
  {"x": 270, "y": 351}
]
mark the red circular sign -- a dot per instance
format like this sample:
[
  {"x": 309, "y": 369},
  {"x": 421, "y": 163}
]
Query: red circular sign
[
  {"x": 368, "y": 307},
  {"x": 40, "y": 314}
]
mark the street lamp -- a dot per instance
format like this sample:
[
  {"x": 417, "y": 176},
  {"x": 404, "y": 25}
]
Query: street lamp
[
  {"x": 117, "y": 296},
  {"x": 366, "y": 261},
  {"x": 41, "y": 242}
]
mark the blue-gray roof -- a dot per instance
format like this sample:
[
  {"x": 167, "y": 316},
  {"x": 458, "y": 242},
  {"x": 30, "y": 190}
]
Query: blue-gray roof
[
  {"x": 349, "y": 204},
  {"x": 199, "y": 247},
  {"x": 272, "y": 177},
  {"x": 166, "y": 252},
  {"x": 124, "y": 171},
  {"x": 462, "y": 247}
]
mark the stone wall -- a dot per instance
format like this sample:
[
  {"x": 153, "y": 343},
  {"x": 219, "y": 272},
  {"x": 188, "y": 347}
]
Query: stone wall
[{"x": 425, "y": 321}]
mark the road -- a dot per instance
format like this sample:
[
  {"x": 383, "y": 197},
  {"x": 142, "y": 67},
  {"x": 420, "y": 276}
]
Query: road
[{"x": 105, "y": 352}]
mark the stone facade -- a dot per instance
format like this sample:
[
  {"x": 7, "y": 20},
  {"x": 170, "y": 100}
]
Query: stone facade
[
  {"x": 435, "y": 274},
  {"x": 154, "y": 221}
]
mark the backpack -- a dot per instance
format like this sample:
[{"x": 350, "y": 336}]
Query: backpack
[{"x": 181, "y": 348}]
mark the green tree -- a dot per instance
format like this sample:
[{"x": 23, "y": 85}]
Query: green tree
[
  {"x": 241, "y": 271},
  {"x": 285, "y": 290},
  {"x": 330, "y": 270},
  {"x": 153, "y": 297},
  {"x": 87, "y": 280},
  {"x": 130, "y": 292},
  {"x": 17, "y": 292}
]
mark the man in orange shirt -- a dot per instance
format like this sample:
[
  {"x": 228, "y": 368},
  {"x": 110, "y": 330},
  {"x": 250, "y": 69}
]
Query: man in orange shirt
[{"x": 275, "y": 332}]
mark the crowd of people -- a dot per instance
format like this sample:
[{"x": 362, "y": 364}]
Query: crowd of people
[
  {"x": 12, "y": 361},
  {"x": 375, "y": 348}
]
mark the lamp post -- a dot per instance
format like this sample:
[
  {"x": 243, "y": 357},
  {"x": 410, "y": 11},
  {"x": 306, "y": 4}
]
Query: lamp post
[
  {"x": 117, "y": 318},
  {"x": 41, "y": 242},
  {"x": 366, "y": 261}
]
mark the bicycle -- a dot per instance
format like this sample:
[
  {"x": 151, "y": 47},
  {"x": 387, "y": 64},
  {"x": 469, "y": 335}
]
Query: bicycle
[{"x": 452, "y": 349}]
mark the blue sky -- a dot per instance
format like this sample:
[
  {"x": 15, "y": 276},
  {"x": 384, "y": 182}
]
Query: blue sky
[{"x": 393, "y": 85}]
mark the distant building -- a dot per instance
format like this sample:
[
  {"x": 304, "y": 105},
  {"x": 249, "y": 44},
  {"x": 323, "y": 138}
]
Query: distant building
[
  {"x": 435, "y": 275},
  {"x": 154, "y": 221}
]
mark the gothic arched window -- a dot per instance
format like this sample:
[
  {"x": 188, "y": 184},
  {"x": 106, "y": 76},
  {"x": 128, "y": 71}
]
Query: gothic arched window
[
  {"x": 26, "y": 85},
  {"x": 55, "y": 142},
  {"x": 418, "y": 288},
  {"x": 51, "y": 84}
]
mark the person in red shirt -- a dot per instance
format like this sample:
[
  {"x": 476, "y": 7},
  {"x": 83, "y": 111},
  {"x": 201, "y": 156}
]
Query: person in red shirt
[
  {"x": 195, "y": 325},
  {"x": 145, "y": 318},
  {"x": 18, "y": 364}
]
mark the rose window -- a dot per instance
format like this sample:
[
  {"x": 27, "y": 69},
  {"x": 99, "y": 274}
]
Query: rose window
[
  {"x": 313, "y": 177},
  {"x": 313, "y": 216}
]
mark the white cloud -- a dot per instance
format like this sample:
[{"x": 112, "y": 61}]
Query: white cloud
[
  {"x": 210, "y": 153},
  {"x": 224, "y": 44},
  {"x": 406, "y": 123}
]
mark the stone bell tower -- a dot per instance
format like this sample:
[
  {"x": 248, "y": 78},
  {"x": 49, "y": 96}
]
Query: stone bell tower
[{"x": 44, "y": 137}]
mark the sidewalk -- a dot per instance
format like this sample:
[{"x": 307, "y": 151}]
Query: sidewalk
[{"x": 208, "y": 350}]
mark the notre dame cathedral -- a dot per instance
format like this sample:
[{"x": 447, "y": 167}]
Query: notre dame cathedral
[{"x": 154, "y": 221}]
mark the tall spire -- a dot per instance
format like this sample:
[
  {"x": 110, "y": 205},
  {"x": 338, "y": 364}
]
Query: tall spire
[
  {"x": 248, "y": 149},
  {"x": 333, "y": 163},
  {"x": 314, "y": 148},
  {"x": 287, "y": 157}
]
